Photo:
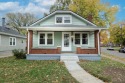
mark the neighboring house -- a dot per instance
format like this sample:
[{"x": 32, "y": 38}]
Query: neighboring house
[
  {"x": 63, "y": 32},
  {"x": 11, "y": 39}
]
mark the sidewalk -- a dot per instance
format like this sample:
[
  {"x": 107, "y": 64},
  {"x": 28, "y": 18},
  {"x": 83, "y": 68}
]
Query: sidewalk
[
  {"x": 115, "y": 58},
  {"x": 80, "y": 74},
  {"x": 5, "y": 54}
]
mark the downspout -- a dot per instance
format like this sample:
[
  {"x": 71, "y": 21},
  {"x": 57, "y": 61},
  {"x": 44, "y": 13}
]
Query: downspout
[
  {"x": 28, "y": 42},
  {"x": 99, "y": 42}
]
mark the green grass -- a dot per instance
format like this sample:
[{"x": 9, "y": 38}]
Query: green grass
[
  {"x": 106, "y": 69},
  {"x": 23, "y": 71}
]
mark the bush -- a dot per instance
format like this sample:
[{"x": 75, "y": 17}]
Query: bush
[{"x": 19, "y": 53}]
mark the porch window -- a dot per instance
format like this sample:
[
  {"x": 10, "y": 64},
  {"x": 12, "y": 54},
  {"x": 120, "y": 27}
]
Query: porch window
[
  {"x": 84, "y": 38},
  {"x": 12, "y": 41},
  {"x": 77, "y": 38},
  {"x": 49, "y": 38},
  {"x": 46, "y": 38},
  {"x": 42, "y": 39},
  {"x": 81, "y": 38}
]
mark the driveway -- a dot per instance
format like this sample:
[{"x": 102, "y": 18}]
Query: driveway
[
  {"x": 115, "y": 53},
  {"x": 5, "y": 54}
]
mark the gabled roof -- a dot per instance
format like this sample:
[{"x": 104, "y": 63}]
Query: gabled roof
[
  {"x": 11, "y": 32},
  {"x": 62, "y": 11}
]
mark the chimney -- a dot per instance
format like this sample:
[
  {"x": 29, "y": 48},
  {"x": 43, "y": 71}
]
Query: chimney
[
  {"x": 3, "y": 22},
  {"x": 90, "y": 18}
]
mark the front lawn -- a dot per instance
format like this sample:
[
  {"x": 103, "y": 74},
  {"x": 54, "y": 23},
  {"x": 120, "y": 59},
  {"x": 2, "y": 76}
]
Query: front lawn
[
  {"x": 106, "y": 69},
  {"x": 23, "y": 71}
]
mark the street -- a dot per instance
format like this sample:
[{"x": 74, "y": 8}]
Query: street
[{"x": 115, "y": 53}]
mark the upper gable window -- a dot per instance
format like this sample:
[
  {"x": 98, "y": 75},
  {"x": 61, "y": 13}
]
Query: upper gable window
[
  {"x": 67, "y": 19},
  {"x": 63, "y": 19},
  {"x": 59, "y": 19}
]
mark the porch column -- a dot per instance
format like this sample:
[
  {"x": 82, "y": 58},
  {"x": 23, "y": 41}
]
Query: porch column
[
  {"x": 29, "y": 41},
  {"x": 98, "y": 42}
]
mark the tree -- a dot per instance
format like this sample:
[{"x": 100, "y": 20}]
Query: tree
[
  {"x": 99, "y": 13},
  {"x": 117, "y": 34},
  {"x": 104, "y": 36},
  {"x": 60, "y": 5},
  {"x": 16, "y": 20}
]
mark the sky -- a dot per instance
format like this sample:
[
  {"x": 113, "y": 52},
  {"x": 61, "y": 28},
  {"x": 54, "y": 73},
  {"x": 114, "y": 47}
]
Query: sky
[{"x": 38, "y": 7}]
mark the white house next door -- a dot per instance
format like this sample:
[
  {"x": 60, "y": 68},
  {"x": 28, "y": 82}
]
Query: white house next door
[{"x": 66, "y": 41}]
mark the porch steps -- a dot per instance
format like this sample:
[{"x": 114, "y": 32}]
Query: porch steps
[{"x": 67, "y": 57}]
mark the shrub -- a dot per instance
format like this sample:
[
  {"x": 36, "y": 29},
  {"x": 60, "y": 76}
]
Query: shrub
[{"x": 19, "y": 53}]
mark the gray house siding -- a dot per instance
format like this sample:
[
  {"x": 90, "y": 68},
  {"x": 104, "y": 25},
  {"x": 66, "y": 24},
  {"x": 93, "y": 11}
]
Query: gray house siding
[{"x": 5, "y": 46}]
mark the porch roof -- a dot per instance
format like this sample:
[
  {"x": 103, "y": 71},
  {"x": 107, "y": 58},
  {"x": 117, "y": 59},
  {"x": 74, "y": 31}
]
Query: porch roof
[{"x": 64, "y": 28}]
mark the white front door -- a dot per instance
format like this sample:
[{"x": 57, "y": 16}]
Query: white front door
[{"x": 66, "y": 41}]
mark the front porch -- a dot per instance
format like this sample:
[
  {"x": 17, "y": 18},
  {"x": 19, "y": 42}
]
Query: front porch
[{"x": 62, "y": 41}]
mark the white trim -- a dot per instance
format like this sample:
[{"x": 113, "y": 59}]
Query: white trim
[
  {"x": 80, "y": 39},
  {"x": 63, "y": 16},
  {"x": 45, "y": 39},
  {"x": 62, "y": 13},
  {"x": 12, "y": 41},
  {"x": 28, "y": 42},
  {"x": 70, "y": 46}
]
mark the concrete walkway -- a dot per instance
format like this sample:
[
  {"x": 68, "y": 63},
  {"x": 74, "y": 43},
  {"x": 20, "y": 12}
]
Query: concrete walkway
[{"x": 80, "y": 74}]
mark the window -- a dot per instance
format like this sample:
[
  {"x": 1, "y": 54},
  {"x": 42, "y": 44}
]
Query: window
[
  {"x": 81, "y": 38},
  {"x": 66, "y": 19},
  {"x": 12, "y": 41},
  {"x": 77, "y": 38},
  {"x": 0, "y": 39},
  {"x": 84, "y": 38},
  {"x": 49, "y": 39},
  {"x": 42, "y": 38},
  {"x": 58, "y": 19},
  {"x": 22, "y": 41},
  {"x": 63, "y": 19},
  {"x": 46, "y": 38}
]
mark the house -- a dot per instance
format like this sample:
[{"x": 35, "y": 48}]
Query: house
[
  {"x": 63, "y": 32},
  {"x": 11, "y": 39}
]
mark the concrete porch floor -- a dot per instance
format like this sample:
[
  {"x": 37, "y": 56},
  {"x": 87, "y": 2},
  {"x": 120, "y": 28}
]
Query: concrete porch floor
[{"x": 93, "y": 57}]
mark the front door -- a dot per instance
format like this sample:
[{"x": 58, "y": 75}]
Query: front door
[{"x": 66, "y": 41}]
